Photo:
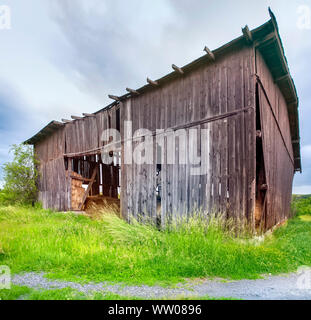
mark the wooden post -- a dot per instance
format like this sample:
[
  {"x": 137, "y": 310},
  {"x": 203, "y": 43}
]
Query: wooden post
[
  {"x": 69, "y": 181},
  {"x": 89, "y": 187}
]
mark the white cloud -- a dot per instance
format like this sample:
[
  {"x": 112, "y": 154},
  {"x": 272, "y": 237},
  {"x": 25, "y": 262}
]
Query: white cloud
[
  {"x": 306, "y": 152},
  {"x": 302, "y": 189}
]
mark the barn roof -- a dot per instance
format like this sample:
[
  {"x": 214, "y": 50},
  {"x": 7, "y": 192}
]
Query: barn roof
[{"x": 267, "y": 39}]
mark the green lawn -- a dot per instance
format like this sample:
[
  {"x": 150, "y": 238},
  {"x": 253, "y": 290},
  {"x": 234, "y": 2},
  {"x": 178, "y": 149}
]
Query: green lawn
[{"x": 77, "y": 248}]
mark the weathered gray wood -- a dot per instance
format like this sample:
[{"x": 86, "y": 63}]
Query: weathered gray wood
[
  {"x": 219, "y": 97},
  {"x": 89, "y": 187},
  {"x": 66, "y": 121},
  {"x": 132, "y": 91},
  {"x": 209, "y": 53},
  {"x": 177, "y": 69},
  {"x": 247, "y": 34},
  {"x": 89, "y": 115},
  {"x": 110, "y": 96},
  {"x": 153, "y": 83},
  {"x": 76, "y": 118}
]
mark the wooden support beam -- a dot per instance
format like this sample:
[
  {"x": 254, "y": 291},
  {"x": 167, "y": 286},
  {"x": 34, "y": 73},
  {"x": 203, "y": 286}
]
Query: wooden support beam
[
  {"x": 80, "y": 179},
  {"x": 294, "y": 101},
  {"x": 113, "y": 97},
  {"x": 66, "y": 121},
  {"x": 57, "y": 123},
  {"x": 132, "y": 91},
  {"x": 177, "y": 69},
  {"x": 89, "y": 187},
  {"x": 247, "y": 34},
  {"x": 69, "y": 184},
  {"x": 76, "y": 118},
  {"x": 286, "y": 77},
  {"x": 269, "y": 38},
  {"x": 209, "y": 53},
  {"x": 153, "y": 83},
  {"x": 89, "y": 115}
]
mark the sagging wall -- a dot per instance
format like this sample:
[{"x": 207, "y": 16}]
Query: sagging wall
[
  {"x": 277, "y": 147},
  {"x": 78, "y": 136},
  {"x": 214, "y": 89}
]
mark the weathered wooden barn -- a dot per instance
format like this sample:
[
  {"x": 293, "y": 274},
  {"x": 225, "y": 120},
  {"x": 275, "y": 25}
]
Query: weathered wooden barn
[{"x": 242, "y": 93}]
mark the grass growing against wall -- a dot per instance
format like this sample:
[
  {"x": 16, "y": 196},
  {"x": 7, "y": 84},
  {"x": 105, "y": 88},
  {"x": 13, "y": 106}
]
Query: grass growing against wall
[{"x": 108, "y": 249}]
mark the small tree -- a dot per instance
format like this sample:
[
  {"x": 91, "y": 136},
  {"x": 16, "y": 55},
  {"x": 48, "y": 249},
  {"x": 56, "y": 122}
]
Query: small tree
[{"x": 20, "y": 176}]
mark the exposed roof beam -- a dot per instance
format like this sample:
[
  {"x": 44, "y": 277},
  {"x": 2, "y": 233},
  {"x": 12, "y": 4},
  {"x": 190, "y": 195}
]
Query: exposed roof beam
[
  {"x": 286, "y": 77},
  {"x": 266, "y": 39},
  {"x": 88, "y": 114},
  {"x": 76, "y": 118},
  {"x": 294, "y": 101},
  {"x": 247, "y": 34},
  {"x": 132, "y": 91},
  {"x": 177, "y": 69},
  {"x": 57, "y": 123},
  {"x": 66, "y": 121},
  {"x": 209, "y": 53},
  {"x": 153, "y": 83},
  {"x": 113, "y": 97}
]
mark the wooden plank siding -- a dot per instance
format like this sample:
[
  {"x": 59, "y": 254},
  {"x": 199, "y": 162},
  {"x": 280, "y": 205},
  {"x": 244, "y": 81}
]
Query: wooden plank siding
[
  {"x": 212, "y": 109},
  {"x": 278, "y": 151},
  {"x": 76, "y": 137},
  {"x": 213, "y": 90}
]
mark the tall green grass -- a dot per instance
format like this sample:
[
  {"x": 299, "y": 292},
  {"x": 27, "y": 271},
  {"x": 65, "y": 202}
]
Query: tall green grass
[{"x": 108, "y": 249}]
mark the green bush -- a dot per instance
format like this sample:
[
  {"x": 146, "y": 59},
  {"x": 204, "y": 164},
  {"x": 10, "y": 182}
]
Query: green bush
[
  {"x": 20, "y": 177},
  {"x": 302, "y": 205}
]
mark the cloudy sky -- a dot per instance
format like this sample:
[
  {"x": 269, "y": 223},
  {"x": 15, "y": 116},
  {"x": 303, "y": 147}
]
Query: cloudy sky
[{"x": 63, "y": 57}]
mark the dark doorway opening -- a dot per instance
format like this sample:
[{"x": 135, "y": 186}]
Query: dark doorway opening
[
  {"x": 93, "y": 182},
  {"x": 261, "y": 183}
]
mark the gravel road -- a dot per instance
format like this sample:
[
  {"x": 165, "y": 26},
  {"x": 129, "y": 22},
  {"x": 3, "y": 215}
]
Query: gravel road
[{"x": 270, "y": 288}]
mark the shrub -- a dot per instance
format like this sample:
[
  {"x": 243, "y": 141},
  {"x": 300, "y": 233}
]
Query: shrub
[
  {"x": 302, "y": 205},
  {"x": 20, "y": 176}
]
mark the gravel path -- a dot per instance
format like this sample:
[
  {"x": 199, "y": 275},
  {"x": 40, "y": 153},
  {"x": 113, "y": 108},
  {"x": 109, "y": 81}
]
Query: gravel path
[{"x": 270, "y": 288}]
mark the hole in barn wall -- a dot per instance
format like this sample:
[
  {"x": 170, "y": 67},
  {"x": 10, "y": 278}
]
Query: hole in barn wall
[
  {"x": 159, "y": 187},
  {"x": 261, "y": 193}
]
